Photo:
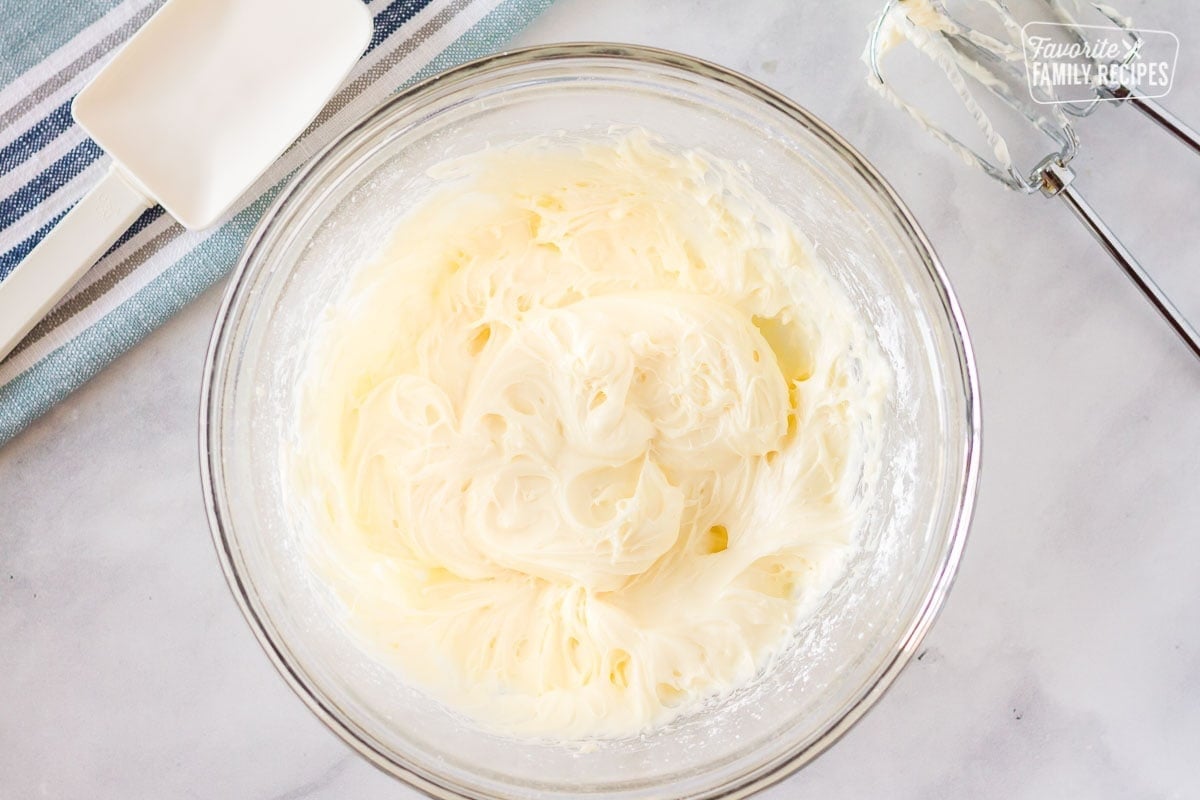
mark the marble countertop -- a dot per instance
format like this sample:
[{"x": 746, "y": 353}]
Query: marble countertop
[{"x": 1066, "y": 662}]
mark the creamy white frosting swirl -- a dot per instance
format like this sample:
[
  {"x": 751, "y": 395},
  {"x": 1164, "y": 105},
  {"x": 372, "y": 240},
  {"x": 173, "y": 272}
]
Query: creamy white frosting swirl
[{"x": 584, "y": 444}]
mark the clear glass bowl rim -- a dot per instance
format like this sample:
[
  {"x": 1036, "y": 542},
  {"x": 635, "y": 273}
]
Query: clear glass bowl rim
[{"x": 223, "y": 342}]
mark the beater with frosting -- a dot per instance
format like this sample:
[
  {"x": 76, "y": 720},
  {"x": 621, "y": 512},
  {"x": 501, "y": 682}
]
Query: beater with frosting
[{"x": 586, "y": 442}]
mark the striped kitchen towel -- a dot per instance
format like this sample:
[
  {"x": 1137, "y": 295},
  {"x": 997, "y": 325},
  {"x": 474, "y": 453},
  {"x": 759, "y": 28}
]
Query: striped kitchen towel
[{"x": 49, "y": 49}]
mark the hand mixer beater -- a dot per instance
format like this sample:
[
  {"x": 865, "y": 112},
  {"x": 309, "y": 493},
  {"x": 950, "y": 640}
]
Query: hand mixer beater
[{"x": 992, "y": 61}]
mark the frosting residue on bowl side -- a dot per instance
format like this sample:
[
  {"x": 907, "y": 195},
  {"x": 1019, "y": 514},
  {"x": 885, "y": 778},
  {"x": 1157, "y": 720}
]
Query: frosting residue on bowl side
[{"x": 584, "y": 444}]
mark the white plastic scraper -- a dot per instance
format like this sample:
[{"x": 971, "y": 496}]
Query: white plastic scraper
[{"x": 198, "y": 104}]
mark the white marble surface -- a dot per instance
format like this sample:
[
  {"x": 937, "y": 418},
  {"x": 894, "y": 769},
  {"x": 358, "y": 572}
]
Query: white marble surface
[{"x": 1066, "y": 663}]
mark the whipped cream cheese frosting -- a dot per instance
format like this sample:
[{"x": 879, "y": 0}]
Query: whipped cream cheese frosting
[{"x": 590, "y": 437}]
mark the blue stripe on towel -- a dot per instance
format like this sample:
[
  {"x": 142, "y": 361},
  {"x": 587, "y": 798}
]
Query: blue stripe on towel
[
  {"x": 9, "y": 261},
  {"x": 139, "y": 225},
  {"x": 46, "y": 130},
  {"x": 19, "y": 203},
  {"x": 392, "y": 17}
]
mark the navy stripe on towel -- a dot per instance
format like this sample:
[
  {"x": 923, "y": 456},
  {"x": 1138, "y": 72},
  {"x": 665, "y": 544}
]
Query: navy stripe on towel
[
  {"x": 20, "y": 202},
  {"x": 46, "y": 130},
  {"x": 9, "y": 260},
  {"x": 392, "y": 17}
]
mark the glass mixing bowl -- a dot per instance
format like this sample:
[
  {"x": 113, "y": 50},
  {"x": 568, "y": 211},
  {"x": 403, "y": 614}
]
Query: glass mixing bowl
[{"x": 336, "y": 213}]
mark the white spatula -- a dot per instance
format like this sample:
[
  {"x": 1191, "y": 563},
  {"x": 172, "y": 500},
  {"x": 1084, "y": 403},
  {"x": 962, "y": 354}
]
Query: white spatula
[{"x": 195, "y": 106}]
